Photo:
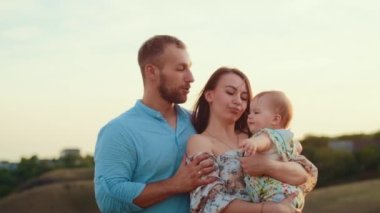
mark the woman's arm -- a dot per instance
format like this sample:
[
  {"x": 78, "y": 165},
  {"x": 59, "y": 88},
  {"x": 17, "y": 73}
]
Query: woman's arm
[
  {"x": 288, "y": 172},
  {"x": 239, "y": 206}
]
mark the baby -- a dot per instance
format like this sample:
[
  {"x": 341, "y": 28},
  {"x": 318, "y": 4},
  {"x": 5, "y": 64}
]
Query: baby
[{"x": 270, "y": 114}]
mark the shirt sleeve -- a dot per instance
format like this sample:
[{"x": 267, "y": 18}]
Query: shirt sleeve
[
  {"x": 210, "y": 198},
  {"x": 115, "y": 160}
]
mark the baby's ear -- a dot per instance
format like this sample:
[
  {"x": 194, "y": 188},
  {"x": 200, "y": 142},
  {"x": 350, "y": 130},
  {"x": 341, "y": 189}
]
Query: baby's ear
[{"x": 276, "y": 119}]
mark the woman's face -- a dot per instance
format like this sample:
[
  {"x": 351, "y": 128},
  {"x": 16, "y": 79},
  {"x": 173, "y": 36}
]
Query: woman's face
[{"x": 229, "y": 99}]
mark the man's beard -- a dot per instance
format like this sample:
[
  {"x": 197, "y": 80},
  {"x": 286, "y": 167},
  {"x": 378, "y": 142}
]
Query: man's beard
[{"x": 170, "y": 95}]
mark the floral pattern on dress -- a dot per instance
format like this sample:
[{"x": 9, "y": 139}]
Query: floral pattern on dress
[{"x": 229, "y": 185}]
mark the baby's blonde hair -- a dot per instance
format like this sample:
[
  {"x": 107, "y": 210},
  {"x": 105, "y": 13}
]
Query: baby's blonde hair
[{"x": 279, "y": 103}]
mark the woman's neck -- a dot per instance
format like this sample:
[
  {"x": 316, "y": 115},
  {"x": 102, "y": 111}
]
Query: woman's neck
[{"x": 222, "y": 131}]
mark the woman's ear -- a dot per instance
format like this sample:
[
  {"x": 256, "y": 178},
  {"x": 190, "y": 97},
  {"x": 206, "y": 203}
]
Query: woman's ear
[{"x": 209, "y": 96}]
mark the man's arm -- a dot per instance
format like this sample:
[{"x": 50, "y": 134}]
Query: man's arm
[
  {"x": 114, "y": 165},
  {"x": 288, "y": 172},
  {"x": 115, "y": 161}
]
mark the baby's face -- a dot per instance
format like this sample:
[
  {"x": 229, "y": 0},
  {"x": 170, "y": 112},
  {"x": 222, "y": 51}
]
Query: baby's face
[{"x": 260, "y": 115}]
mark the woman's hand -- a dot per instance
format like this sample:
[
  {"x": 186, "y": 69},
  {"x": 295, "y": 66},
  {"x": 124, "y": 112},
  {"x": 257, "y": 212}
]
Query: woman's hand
[
  {"x": 284, "y": 206},
  {"x": 256, "y": 165}
]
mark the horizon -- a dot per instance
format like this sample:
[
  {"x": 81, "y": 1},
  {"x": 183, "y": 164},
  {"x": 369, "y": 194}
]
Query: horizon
[
  {"x": 53, "y": 156},
  {"x": 69, "y": 67}
]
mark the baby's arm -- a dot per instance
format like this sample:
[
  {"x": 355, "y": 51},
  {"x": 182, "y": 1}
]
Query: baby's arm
[{"x": 257, "y": 143}]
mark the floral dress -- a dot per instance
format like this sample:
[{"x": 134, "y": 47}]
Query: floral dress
[
  {"x": 229, "y": 186},
  {"x": 231, "y": 183}
]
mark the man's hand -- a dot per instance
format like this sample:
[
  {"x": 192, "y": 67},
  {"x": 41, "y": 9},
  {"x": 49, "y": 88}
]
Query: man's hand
[
  {"x": 195, "y": 173},
  {"x": 188, "y": 177}
]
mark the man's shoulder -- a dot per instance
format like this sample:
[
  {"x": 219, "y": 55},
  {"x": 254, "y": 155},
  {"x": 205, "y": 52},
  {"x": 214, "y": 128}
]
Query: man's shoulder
[{"x": 122, "y": 120}]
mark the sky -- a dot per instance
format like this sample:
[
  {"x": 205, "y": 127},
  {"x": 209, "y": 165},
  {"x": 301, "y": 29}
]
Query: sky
[{"x": 68, "y": 67}]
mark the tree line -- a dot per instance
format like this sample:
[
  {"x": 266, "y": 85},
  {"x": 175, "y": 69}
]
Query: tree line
[
  {"x": 29, "y": 168},
  {"x": 335, "y": 166}
]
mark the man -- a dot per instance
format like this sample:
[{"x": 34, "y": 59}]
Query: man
[{"x": 139, "y": 156}]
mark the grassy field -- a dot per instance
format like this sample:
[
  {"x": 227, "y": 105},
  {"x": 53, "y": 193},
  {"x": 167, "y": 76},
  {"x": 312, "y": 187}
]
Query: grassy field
[
  {"x": 58, "y": 191},
  {"x": 74, "y": 196},
  {"x": 72, "y": 191},
  {"x": 363, "y": 197}
]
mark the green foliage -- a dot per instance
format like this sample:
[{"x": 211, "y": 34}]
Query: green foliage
[
  {"x": 376, "y": 136},
  {"x": 76, "y": 162},
  {"x": 369, "y": 158},
  {"x": 34, "y": 167},
  {"x": 334, "y": 166},
  {"x": 6, "y": 182},
  {"x": 29, "y": 168},
  {"x": 355, "y": 137},
  {"x": 337, "y": 166}
]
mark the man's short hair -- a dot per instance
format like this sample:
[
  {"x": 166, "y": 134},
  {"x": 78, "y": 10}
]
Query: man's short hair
[{"x": 152, "y": 49}]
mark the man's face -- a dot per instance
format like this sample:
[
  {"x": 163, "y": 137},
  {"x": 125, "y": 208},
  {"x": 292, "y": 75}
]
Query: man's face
[{"x": 175, "y": 75}]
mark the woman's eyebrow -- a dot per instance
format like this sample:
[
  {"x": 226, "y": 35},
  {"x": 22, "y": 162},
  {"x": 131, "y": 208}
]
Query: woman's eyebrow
[
  {"x": 231, "y": 86},
  {"x": 235, "y": 88}
]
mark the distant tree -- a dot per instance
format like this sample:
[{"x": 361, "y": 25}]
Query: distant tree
[
  {"x": 29, "y": 168},
  {"x": 70, "y": 161},
  {"x": 355, "y": 137},
  {"x": 7, "y": 182},
  {"x": 369, "y": 158},
  {"x": 88, "y": 161},
  {"x": 376, "y": 136},
  {"x": 335, "y": 166}
]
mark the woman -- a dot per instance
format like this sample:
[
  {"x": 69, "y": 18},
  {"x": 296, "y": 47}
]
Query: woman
[{"x": 220, "y": 116}]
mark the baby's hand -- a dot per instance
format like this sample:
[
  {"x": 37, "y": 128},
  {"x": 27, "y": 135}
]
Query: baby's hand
[{"x": 248, "y": 146}]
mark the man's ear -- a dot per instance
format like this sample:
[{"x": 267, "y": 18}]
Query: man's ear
[{"x": 150, "y": 72}]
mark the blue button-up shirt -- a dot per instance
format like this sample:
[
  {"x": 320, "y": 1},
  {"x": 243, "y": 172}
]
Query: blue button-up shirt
[{"x": 137, "y": 148}]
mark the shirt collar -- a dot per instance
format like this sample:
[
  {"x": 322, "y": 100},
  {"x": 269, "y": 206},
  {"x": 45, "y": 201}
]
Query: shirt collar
[{"x": 152, "y": 112}]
